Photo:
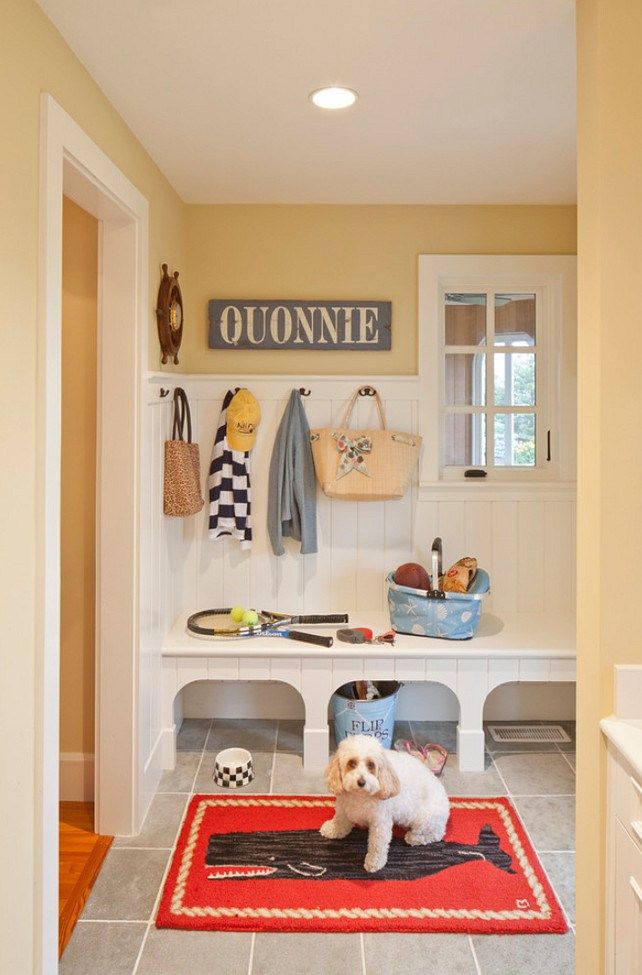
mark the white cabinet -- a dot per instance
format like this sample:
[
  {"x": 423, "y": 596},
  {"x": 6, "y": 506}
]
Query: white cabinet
[
  {"x": 623, "y": 731},
  {"x": 628, "y": 904},
  {"x": 623, "y": 866}
]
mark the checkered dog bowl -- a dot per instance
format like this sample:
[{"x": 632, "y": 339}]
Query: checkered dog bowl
[{"x": 233, "y": 768}]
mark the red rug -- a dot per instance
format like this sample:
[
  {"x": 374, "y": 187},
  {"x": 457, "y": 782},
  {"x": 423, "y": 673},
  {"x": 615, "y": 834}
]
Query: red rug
[{"x": 258, "y": 863}]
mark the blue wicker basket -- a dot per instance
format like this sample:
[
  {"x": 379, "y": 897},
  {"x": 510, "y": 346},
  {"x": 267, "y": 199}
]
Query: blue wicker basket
[{"x": 450, "y": 615}]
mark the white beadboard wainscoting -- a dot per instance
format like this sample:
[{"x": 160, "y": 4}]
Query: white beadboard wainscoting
[
  {"x": 163, "y": 550},
  {"x": 357, "y": 542},
  {"x": 526, "y": 540}
]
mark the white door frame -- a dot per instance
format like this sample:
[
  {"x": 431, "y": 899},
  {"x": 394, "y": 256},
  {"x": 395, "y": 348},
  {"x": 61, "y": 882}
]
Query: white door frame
[{"x": 72, "y": 164}]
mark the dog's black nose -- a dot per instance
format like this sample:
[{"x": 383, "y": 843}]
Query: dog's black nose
[{"x": 361, "y": 783}]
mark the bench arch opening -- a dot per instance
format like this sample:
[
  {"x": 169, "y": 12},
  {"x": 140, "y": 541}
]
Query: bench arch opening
[{"x": 531, "y": 701}]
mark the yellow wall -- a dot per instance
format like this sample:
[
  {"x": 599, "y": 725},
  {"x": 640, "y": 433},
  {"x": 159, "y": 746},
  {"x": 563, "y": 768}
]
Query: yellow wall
[
  {"x": 254, "y": 250},
  {"x": 610, "y": 410},
  {"x": 78, "y": 478},
  {"x": 35, "y": 59},
  {"x": 344, "y": 252}
]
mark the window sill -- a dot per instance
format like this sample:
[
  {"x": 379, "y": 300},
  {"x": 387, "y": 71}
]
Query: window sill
[{"x": 481, "y": 490}]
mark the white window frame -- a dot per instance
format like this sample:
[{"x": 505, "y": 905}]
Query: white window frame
[{"x": 553, "y": 280}]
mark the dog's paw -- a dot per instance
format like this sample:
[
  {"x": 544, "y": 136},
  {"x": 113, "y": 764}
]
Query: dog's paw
[
  {"x": 422, "y": 839},
  {"x": 331, "y": 831},
  {"x": 374, "y": 863},
  {"x": 417, "y": 839}
]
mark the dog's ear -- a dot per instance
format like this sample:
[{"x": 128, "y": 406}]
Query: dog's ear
[
  {"x": 388, "y": 779},
  {"x": 333, "y": 778}
]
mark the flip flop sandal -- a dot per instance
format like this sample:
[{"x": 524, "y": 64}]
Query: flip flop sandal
[
  {"x": 434, "y": 755},
  {"x": 410, "y": 746}
]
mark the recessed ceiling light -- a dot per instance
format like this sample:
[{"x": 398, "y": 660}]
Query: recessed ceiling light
[{"x": 333, "y": 97}]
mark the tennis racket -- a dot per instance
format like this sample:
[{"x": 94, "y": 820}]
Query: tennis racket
[{"x": 217, "y": 624}]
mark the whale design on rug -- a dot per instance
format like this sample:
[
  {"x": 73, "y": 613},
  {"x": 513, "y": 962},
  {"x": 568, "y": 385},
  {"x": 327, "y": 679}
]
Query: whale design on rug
[{"x": 306, "y": 855}]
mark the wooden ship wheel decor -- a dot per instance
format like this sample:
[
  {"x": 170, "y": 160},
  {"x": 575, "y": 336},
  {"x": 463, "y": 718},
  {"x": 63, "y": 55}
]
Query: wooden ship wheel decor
[{"x": 169, "y": 315}]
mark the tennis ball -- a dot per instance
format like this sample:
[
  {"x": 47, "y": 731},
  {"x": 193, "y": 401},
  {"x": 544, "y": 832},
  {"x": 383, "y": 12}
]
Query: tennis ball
[
  {"x": 237, "y": 613},
  {"x": 250, "y": 617}
]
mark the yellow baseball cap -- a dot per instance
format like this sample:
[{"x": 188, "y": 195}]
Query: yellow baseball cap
[{"x": 243, "y": 418}]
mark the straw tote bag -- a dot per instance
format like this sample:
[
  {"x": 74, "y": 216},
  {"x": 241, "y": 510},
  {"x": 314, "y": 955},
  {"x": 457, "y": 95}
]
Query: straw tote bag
[
  {"x": 182, "y": 483},
  {"x": 364, "y": 465}
]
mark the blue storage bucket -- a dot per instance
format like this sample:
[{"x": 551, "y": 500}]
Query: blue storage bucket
[
  {"x": 374, "y": 718},
  {"x": 452, "y": 615}
]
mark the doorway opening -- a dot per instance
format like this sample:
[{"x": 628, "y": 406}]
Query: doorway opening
[{"x": 81, "y": 849}]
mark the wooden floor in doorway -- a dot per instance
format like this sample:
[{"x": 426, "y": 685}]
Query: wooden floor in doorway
[{"x": 81, "y": 854}]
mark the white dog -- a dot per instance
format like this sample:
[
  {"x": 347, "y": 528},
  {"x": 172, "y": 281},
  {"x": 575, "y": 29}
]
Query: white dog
[{"x": 379, "y": 789}]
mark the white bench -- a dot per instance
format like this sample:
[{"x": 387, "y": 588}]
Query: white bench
[{"x": 516, "y": 647}]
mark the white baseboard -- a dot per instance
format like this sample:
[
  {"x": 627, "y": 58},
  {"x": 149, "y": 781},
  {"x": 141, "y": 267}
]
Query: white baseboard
[
  {"x": 168, "y": 746},
  {"x": 76, "y": 777},
  {"x": 151, "y": 774}
]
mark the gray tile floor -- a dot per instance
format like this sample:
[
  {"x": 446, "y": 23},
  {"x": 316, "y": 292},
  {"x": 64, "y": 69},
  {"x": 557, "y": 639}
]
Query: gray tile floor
[{"x": 116, "y": 934}]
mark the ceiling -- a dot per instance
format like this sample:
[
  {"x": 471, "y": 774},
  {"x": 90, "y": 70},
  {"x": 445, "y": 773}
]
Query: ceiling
[{"x": 461, "y": 101}]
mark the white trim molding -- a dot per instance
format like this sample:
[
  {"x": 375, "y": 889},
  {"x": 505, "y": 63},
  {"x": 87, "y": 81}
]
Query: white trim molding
[
  {"x": 71, "y": 164},
  {"x": 207, "y": 385},
  {"x": 478, "y": 490}
]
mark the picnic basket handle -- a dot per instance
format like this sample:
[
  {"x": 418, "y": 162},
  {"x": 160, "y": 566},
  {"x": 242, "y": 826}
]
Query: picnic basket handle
[
  {"x": 350, "y": 408},
  {"x": 436, "y": 558},
  {"x": 182, "y": 415}
]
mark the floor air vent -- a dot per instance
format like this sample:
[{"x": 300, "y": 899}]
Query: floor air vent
[{"x": 539, "y": 733}]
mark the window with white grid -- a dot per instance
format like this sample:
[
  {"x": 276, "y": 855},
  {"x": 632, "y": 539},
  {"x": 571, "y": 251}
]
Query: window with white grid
[
  {"x": 492, "y": 384},
  {"x": 497, "y": 368}
]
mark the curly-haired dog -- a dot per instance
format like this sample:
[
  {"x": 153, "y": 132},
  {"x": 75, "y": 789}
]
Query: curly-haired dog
[{"x": 379, "y": 789}]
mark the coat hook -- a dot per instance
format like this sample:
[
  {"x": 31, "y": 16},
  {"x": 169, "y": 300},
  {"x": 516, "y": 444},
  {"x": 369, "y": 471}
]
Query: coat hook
[
  {"x": 367, "y": 391},
  {"x": 304, "y": 392},
  {"x": 164, "y": 392}
]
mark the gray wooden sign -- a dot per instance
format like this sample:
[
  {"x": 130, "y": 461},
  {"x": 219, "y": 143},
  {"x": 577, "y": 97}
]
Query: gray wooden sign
[{"x": 255, "y": 324}]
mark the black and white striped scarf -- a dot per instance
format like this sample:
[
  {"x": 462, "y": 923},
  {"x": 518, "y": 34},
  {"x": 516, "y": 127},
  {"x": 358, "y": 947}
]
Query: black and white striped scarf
[{"x": 229, "y": 486}]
